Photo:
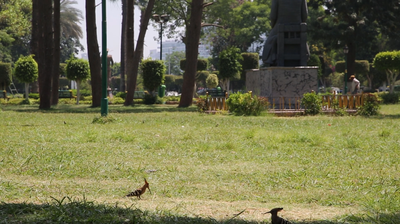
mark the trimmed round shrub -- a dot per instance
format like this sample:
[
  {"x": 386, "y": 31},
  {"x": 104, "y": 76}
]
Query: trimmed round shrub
[
  {"x": 26, "y": 69},
  {"x": 249, "y": 61},
  {"x": 212, "y": 81},
  {"x": 153, "y": 74}
]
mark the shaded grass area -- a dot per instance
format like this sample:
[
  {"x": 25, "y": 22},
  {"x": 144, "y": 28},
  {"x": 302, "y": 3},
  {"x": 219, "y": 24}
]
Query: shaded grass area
[
  {"x": 139, "y": 108},
  {"x": 200, "y": 163},
  {"x": 67, "y": 210}
]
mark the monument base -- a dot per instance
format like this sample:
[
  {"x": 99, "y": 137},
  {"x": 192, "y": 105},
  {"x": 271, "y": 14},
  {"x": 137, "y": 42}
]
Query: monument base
[{"x": 283, "y": 86}]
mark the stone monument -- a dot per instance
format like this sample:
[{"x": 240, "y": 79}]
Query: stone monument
[
  {"x": 286, "y": 76},
  {"x": 286, "y": 44}
]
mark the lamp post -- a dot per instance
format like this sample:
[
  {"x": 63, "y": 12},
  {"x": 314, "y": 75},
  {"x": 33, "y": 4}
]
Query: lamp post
[
  {"x": 161, "y": 19},
  {"x": 104, "y": 99},
  {"x": 345, "y": 51}
]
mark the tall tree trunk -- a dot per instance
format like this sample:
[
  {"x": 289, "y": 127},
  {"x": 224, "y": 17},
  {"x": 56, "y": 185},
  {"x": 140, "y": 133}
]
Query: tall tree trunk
[
  {"x": 130, "y": 52},
  {"x": 192, "y": 50},
  {"x": 34, "y": 45},
  {"x": 56, "y": 58},
  {"x": 122, "y": 87},
  {"x": 132, "y": 78},
  {"x": 35, "y": 28},
  {"x": 93, "y": 52},
  {"x": 351, "y": 58},
  {"x": 45, "y": 54}
]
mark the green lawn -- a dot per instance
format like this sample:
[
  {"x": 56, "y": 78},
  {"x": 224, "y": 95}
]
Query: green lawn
[{"x": 59, "y": 167}]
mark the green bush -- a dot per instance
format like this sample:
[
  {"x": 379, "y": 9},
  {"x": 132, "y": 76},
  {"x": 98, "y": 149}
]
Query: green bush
[
  {"x": 149, "y": 99},
  {"x": 172, "y": 98},
  {"x": 246, "y": 104},
  {"x": 390, "y": 98},
  {"x": 34, "y": 96},
  {"x": 370, "y": 106},
  {"x": 201, "y": 104},
  {"x": 121, "y": 94},
  {"x": 312, "y": 103},
  {"x": 116, "y": 100}
]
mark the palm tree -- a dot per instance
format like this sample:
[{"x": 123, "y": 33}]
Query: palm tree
[{"x": 70, "y": 18}]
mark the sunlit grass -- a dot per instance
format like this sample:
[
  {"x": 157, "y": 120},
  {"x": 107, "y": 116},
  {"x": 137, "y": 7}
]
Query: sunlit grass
[{"x": 337, "y": 169}]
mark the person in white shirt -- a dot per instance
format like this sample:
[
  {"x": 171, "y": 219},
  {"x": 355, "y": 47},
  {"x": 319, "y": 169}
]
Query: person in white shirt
[{"x": 355, "y": 84}]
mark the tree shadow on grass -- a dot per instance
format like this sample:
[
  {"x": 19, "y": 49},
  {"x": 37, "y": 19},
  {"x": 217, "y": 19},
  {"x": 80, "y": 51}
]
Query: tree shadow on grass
[
  {"x": 72, "y": 211},
  {"x": 141, "y": 108}
]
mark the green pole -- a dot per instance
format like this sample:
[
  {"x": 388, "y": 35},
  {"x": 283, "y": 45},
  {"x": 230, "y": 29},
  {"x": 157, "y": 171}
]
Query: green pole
[{"x": 104, "y": 99}]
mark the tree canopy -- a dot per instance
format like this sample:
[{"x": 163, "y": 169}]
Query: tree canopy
[{"x": 356, "y": 24}]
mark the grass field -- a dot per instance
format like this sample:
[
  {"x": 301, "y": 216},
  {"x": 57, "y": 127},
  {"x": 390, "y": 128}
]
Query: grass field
[{"x": 59, "y": 167}]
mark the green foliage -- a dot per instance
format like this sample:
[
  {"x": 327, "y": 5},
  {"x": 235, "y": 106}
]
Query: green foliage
[
  {"x": 229, "y": 63},
  {"x": 26, "y": 69},
  {"x": 5, "y": 74},
  {"x": 83, "y": 92},
  {"x": 63, "y": 69},
  {"x": 34, "y": 96},
  {"x": 312, "y": 103},
  {"x": 202, "y": 76},
  {"x": 121, "y": 94},
  {"x": 15, "y": 29},
  {"x": 315, "y": 61},
  {"x": 77, "y": 69},
  {"x": 212, "y": 81},
  {"x": 153, "y": 73},
  {"x": 202, "y": 64},
  {"x": 370, "y": 106},
  {"x": 246, "y": 104},
  {"x": 150, "y": 99},
  {"x": 5, "y": 47},
  {"x": 390, "y": 98},
  {"x": 250, "y": 61},
  {"x": 361, "y": 66},
  {"x": 173, "y": 60},
  {"x": 201, "y": 104},
  {"x": 385, "y": 61},
  {"x": 244, "y": 24},
  {"x": 390, "y": 63},
  {"x": 338, "y": 111},
  {"x": 104, "y": 120}
]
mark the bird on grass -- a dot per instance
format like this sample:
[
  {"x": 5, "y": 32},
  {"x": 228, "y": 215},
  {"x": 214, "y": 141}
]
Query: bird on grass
[
  {"x": 275, "y": 219},
  {"x": 140, "y": 191}
]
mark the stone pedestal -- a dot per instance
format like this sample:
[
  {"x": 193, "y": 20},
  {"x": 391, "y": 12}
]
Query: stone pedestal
[{"x": 282, "y": 84}]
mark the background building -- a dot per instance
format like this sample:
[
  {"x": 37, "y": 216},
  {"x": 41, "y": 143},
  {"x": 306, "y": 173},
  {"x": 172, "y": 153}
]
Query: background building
[{"x": 171, "y": 46}]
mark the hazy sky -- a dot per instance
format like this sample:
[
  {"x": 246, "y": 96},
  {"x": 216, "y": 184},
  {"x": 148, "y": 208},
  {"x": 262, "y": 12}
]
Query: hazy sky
[{"x": 114, "y": 19}]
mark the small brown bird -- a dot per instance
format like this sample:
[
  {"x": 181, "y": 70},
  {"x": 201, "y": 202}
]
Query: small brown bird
[
  {"x": 140, "y": 191},
  {"x": 275, "y": 219}
]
